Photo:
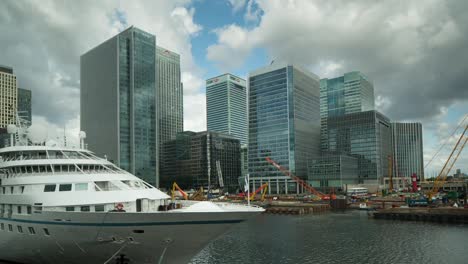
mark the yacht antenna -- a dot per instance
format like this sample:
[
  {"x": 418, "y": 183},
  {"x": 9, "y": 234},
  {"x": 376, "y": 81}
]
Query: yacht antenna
[{"x": 64, "y": 137}]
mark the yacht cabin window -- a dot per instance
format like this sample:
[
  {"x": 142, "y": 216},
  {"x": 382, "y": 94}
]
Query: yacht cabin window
[
  {"x": 99, "y": 208},
  {"x": 65, "y": 187},
  {"x": 81, "y": 186},
  {"x": 49, "y": 188}
]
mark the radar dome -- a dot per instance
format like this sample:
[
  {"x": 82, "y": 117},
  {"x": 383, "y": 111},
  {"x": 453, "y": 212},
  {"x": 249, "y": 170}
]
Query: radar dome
[{"x": 82, "y": 134}]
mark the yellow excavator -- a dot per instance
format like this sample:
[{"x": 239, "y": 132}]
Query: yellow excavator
[
  {"x": 176, "y": 187},
  {"x": 198, "y": 195}
]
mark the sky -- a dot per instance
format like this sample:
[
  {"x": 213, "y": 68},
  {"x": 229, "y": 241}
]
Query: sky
[{"x": 415, "y": 52}]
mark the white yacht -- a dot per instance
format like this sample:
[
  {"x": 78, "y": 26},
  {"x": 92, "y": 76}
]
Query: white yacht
[{"x": 66, "y": 205}]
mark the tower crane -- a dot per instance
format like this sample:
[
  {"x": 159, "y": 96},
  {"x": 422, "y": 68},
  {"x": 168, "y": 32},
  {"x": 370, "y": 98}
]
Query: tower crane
[
  {"x": 300, "y": 181},
  {"x": 441, "y": 178}
]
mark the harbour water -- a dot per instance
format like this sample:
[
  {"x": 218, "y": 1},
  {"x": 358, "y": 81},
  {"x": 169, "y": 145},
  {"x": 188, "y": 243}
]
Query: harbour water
[{"x": 347, "y": 237}]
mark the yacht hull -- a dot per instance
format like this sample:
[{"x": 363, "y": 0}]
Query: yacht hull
[{"x": 103, "y": 237}]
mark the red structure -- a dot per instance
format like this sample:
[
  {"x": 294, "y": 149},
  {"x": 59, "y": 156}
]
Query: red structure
[{"x": 414, "y": 182}]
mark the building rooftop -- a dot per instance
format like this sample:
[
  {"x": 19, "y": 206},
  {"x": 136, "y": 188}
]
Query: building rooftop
[
  {"x": 225, "y": 77},
  {"x": 6, "y": 69},
  {"x": 279, "y": 65}
]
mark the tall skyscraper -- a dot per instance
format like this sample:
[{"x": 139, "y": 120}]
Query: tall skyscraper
[
  {"x": 169, "y": 96},
  {"x": 407, "y": 150},
  {"x": 118, "y": 101},
  {"x": 24, "y": 104},
  {"x": 351, "y": 93},
  {"x": 226, "y": 106},
  {"x": 284, "y": 124},
  {"x": 8, "y": 96}
]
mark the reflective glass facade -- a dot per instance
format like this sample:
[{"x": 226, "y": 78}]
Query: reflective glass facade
[
  {"x": 284, "y": 122},
  {"x": 202, "y": 159},
  {"x": 407, "y": 150},
  {"x": 24, "y": 104},
  {"x": 169, "y": 95},
  {"x": 347, "y": 94},
  {"x": 366, "y": 135},
  {"x": 226, "y": 106},
  {"x": 333, "y": 171},
  {"x": 118, "y": 101}
]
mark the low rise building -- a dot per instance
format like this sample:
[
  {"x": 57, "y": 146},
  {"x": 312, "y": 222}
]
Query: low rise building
[
  {"x": 333, "y": 171},
  {"x": 204, "y": 159}
]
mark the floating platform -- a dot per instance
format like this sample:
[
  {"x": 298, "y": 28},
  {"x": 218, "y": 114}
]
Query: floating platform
[
  {"x": 441, "y": 215},
  {"x": 298, "y": 209}
]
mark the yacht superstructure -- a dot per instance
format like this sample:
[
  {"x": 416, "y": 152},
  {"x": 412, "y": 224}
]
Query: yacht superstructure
[{"x": 66, "y": 205}]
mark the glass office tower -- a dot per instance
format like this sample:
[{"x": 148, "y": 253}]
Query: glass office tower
[
  {"x": 203, "y": 159},
  {"x": 284, "y": 124},
  {"x": 118, "y": 101},
  {"x": 333, "y": 171},
  {"x": 169, "y": 95},
  {"x": 407, "y": 150},
  {"x": 351, "y": 93},
  {"x": 226, "y": 106},
  {"x": 366, "y": 135},
  {"x": 24, "y": 104}
]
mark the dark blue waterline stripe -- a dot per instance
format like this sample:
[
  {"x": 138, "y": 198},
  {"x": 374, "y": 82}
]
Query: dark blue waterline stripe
[{"x": 208, "y": 222}]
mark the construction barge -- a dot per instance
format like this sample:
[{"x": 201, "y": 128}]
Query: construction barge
[
  {"x": 296, "y": 208},
  {"x": 440, "y": 215}
]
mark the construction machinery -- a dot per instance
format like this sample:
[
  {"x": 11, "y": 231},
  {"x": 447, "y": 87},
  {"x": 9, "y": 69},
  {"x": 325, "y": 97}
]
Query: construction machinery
[
  {"x": 262, "y": 188},
  {"x": 441, "y": 178},
  {"x": 390, "y": 174},
  {"x": 198, "y": 195},
  {"x": 174, "y": 187},
  {"x": 300, "y": 181}
]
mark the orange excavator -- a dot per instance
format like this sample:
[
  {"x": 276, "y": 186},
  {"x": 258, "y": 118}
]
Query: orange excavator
[{"x": 300, "y": 181}]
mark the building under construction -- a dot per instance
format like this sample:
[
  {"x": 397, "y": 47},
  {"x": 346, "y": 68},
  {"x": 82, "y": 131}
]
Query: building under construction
[{"x": 204, "y": 159}]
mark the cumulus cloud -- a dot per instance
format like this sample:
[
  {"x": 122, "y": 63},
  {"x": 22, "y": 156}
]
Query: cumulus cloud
[
  {"x": 43, "y": 42},
  {"x": 232, "y": 47},
  {"x": 195, "y": 116},
  {"x": 415, "y": 52},
  {"x": 237, "y": 5}
]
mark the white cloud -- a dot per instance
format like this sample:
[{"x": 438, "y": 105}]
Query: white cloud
[
  {"x": 237, "y": 5},
  {"x": 253, "y": 12},
  {"x": 232, "y": 48},
  {"x": 195, "y": 112},
  {"x": 43, "y": 42},
  {"x": 186, "y": 17},
  {"x": 47, "y": 131}
]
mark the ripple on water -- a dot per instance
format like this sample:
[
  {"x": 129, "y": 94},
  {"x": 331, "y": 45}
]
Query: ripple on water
[{"x": 349, "y": 237}]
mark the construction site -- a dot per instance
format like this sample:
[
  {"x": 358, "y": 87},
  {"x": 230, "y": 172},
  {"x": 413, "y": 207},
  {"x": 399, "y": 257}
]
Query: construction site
[{"x": 439, "y": 199}]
